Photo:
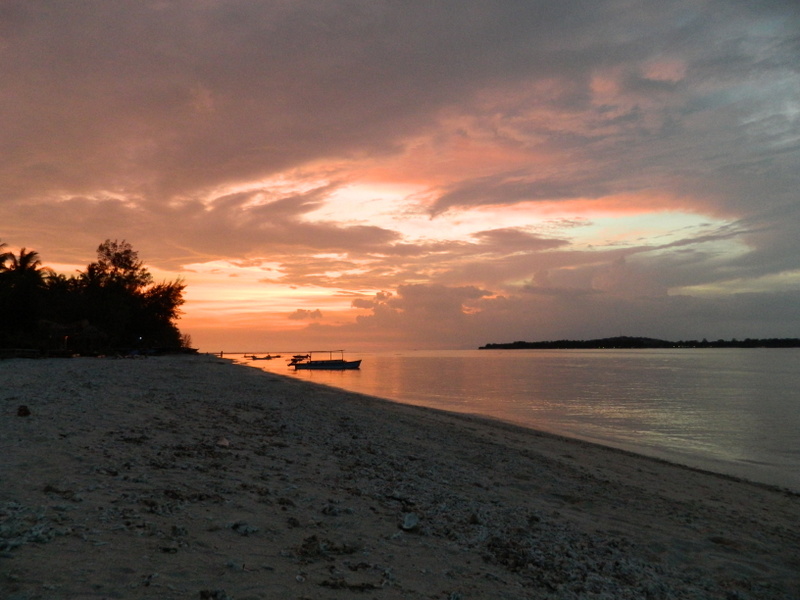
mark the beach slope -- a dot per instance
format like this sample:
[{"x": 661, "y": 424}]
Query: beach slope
[{"x": 192, "y": 477}]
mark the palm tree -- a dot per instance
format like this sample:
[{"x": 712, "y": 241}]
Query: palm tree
[
  {"x": 4, "y": 256},
  {"x": 26, "y": 262},
  {"x": 22, "y": 281}
]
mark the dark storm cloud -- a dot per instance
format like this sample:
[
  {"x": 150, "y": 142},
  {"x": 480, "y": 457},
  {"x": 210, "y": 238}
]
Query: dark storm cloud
[{"x": 169, "y": 97}]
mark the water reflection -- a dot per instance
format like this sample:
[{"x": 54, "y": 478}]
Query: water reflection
[{"x": 729, "y": 410}]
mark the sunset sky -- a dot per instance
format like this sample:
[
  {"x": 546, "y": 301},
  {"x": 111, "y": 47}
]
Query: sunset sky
[{"x": 376, "y": 174}]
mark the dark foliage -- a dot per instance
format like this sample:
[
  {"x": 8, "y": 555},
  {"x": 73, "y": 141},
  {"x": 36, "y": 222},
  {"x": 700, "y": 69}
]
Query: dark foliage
[
  {"x": 112, "y": 306},
  {"x": 625, "y": 342}
]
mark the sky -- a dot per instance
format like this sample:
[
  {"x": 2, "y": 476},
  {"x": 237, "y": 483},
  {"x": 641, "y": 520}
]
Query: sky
[{"x": 385, "y": 174}]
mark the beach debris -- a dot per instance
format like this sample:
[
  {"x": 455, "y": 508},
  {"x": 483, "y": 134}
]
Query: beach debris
[
  {"x": 340, "y": 583},
  {"x": 235, "y": 565},
  {"x": 314, "y": 547},
  {"x": 214, "y": 595},
  {"x": 20, "y": 525},
  {"x": 242, "y": 528},
  {"x": 223, "y": 442},
  {"x": 62, "y": 493},
  {"x": 410, "y": 522},
  {"x": 330, "y": 509},
  {"x": 23, "y": 411}
]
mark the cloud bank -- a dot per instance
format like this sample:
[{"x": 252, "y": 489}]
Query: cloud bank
[{"x": 503, "y": 170}]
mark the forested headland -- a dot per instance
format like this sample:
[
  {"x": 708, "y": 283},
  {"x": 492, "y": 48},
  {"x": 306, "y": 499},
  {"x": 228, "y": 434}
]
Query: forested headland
[
  {"x": 626, "y": 342},
  {"x": 114, "y": 305}
]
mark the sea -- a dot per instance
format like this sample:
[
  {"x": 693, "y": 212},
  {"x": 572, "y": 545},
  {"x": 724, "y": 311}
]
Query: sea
[{"x": 732, "y": 411}]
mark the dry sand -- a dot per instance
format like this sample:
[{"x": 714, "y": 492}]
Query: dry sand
[{"x": 191, "y": 477}]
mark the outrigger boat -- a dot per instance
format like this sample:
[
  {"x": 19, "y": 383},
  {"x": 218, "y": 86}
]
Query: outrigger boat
[
  {"x": 298, "y": 358},
  {"x": 307, "y": 361}
]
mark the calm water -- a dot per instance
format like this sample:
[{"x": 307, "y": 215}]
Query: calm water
[{"x": 734, "y": 411}]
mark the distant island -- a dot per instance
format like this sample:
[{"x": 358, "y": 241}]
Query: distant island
[{"x": 625, "y": 342}]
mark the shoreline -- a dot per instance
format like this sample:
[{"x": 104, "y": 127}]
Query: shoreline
[
  {"x": 500, "y": 423},
  {"x": 198, "y": 477},
  {"x": 771, "y": 469}
]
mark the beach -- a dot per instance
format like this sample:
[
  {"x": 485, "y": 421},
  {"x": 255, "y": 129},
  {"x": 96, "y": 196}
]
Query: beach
[{"x": 193, "y": 477}]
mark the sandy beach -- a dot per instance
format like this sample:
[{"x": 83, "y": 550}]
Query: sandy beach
[{"x": 192, "y": 477}]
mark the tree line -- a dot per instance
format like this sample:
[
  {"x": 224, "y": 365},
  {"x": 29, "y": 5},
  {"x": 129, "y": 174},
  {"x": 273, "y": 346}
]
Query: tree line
[
  {"x": 626, "y": 342},
  {"x": 114, "y": 305}
]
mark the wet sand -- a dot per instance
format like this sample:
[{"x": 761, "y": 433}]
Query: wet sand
[{"x": 192, "y": 477}]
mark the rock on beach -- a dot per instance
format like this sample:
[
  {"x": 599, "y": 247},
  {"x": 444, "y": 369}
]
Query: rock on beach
[{"x": 194, "y": 477}]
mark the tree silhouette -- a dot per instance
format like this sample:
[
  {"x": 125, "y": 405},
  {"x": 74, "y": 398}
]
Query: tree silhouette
[
  {"x": 124, "y": 302},
  {"x": 28, "y": 263},
  {"x": 118, "y": 265},
  {"x": 21, "y": 299},
  {"x": 114, "y": 305},
  {"x": 4, "y": 256}
]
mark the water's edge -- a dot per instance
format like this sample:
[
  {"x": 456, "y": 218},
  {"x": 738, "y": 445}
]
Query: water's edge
[{"x": 704, "y": 411}]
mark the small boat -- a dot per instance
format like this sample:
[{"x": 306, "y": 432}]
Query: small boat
[
  {"x": 267, "y": 357},
  {"x": 298, "y": 358},
  {"x": 307, "y": 361}
]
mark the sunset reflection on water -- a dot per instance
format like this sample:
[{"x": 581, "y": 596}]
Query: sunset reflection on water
[{"x": 727, "y": 410}]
